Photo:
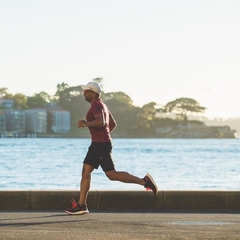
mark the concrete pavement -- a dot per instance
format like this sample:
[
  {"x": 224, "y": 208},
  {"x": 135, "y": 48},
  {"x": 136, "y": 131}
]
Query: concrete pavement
[
  {"x": 56, "y": 225},
  {"x": 121, "y": 215}
]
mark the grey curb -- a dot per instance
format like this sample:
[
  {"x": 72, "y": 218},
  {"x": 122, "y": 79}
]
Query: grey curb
[{"x": 187, "y": 201}]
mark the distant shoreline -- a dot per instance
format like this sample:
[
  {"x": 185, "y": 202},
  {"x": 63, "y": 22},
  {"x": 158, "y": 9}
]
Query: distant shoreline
[{"x": 73, "y": 136}]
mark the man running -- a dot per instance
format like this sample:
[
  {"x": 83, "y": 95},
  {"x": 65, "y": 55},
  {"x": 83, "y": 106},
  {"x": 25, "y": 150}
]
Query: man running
[{"x": 101, "y": 123}]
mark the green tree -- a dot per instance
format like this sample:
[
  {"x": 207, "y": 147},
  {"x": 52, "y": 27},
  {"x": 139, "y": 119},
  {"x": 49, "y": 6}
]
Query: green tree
[
  {"x": 20, "y": 101},
  {"x": 5, "y": 94},
  {"x": 149, "y": 110},
  {"x": 146, "y": 115},
  {"x": 183, "y": 107},
  {"x": 60, "y": 89},
  {"x": 132, "y": 121},
  {"x": 72, "y": 100},
  {"x": 45, "y": 96},
  {"x": 120, "y": 97},
  {"x": 38, "y": 100}
]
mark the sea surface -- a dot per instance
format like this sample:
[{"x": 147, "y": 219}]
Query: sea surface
[{"x": 175, "y": 164}]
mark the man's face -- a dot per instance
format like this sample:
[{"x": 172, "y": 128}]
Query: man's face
[{"x": 88, "y": 94}]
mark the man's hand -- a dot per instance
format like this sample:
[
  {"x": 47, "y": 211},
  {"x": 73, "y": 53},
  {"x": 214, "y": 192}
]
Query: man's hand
[{"x": 81, "y": 123}]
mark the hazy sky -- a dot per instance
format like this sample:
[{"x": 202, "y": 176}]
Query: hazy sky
[{"x": 153, "y": 50}]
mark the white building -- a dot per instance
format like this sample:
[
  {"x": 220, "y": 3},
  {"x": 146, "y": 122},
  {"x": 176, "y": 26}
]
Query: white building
[
  {"x": 36, "y": 121},
  {"x": 6, "y": 103},
  {"x": 59, "y": 121},
  {"x": 15, "y": 120}
]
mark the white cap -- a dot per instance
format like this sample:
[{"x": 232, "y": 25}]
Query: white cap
[{"x": 92, "y": 86}]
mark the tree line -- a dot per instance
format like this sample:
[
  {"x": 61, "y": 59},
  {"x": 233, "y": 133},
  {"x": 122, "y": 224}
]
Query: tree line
[{"x": 132, "y": 121}]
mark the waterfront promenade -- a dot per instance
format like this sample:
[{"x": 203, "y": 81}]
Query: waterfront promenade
[
  {"x": 121, "y": 215},
  {"x": 183, "y": 201}
]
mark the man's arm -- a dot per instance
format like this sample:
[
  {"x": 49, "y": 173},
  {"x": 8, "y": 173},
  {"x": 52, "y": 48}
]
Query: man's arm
[
  {"x": 97, "y": 122},
  {"x": 112, "y": 122}
]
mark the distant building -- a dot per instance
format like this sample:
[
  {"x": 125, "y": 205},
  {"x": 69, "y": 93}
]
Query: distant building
[
  {"x": 15, "y": 121},
  {"x": 36, "y": 120},
  {"x": 59, "y": 121},
  {"x": 3, "y": 121},
  {"x": 6, "y": 103},
  {"x": 48, "y": 120},
  {"x": 196, "y": 130}
]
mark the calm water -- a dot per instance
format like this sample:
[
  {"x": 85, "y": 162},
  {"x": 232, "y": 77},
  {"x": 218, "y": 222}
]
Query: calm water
[{"x": 175, "y": 164}]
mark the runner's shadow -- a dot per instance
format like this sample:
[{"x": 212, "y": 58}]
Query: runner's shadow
[
  {"x": 37, "y": 217},
  {"x": 25, "y": 224}
]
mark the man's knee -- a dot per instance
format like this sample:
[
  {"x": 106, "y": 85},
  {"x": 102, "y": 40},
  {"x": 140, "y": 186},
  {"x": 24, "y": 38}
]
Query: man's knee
[
  {"x": 86, "y": 171},
  {"x": 111, "y": 175}
]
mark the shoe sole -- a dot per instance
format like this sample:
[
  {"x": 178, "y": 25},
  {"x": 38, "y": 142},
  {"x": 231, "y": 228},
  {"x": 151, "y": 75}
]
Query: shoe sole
[
  {"x": 150, "y": 177},
  {"x": 77, "y": 213}
]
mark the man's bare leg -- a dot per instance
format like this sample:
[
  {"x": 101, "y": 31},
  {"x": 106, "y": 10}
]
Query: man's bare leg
[
  {"x": 124, "y": 177},
  {"x": 85, "y": 183}
]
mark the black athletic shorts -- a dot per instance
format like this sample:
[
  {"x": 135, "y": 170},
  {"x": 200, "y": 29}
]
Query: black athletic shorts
[{"x": 100, "y": 154}]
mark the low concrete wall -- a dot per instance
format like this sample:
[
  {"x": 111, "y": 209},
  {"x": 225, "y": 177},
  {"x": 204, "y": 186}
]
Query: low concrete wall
[{"x": 183, "y": 201}]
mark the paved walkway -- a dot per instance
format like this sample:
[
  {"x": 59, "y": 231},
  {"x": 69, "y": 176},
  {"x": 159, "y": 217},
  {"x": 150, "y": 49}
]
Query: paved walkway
[{"x": 59, "y": 226}]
